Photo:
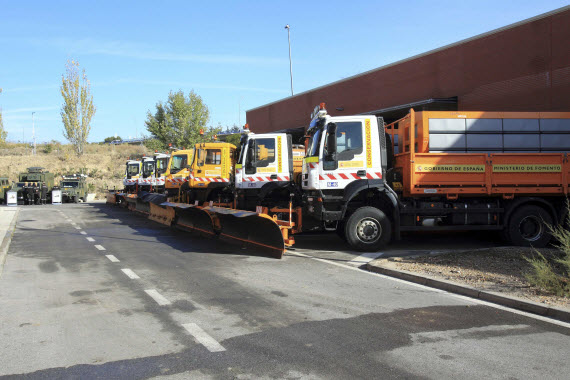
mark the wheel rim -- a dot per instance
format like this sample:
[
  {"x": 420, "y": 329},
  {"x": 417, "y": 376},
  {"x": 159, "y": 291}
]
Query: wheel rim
[
  {"x": 368, "y": 230},
  {"x": 531, "y": 228}
]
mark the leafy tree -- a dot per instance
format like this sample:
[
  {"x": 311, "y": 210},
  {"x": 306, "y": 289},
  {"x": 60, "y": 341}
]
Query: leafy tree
[
  {"x": 235, "y": 137},
  {"x": 77, "y": 109},
  {"x": 178, "y": 121},
  {"x": 112, "y": 138}
]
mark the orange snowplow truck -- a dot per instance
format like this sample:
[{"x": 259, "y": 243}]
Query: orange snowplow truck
[{"x": 430, "y": 171}]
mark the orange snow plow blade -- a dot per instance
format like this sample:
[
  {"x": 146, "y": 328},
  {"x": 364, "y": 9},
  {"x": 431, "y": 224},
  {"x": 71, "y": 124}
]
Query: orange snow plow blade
[
  {"x": 131, "y": 201},
  {"x": 161, "y": 214},
  {"x": 111, "y": 197},
  {"x": 192, "y": 218},
  {"x": 258, "y": 231}
]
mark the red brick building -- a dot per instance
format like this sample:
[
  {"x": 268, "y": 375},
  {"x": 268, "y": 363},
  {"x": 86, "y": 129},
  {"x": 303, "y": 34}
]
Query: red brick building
[{"x": 521, "y": 67}]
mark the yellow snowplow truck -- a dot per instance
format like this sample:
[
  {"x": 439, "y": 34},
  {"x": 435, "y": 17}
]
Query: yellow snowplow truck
[{"x": 178, "y": 172}]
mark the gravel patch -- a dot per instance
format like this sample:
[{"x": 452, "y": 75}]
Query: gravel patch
[{"x": 499, "y": 269}]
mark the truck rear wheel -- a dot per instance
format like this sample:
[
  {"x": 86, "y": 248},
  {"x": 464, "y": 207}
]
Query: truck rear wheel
[
  {"x": 368, "y": 229},
  {"x": 529, "y": 226}
]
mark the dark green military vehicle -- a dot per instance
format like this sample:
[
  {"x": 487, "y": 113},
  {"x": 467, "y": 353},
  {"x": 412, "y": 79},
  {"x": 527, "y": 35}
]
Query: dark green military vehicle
[
  {"x": 73, "y": 188},
  {"x": 34, "y": 186},
  {"x": 5, "y": 185}
]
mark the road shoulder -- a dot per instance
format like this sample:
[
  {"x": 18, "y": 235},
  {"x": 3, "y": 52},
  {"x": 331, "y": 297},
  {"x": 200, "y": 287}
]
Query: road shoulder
[
  {"x": 8, "y": 218},
  {"x": 384, "y": 267}
]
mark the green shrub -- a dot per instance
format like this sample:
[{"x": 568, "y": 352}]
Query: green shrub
[{"x": 553, "y": 275}]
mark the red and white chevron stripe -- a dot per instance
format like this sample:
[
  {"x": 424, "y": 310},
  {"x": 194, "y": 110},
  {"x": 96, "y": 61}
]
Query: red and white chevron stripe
[
  {"x": 348, "y": 176},
  {"x": 177, "y": 180},
  {"x": 130, "y": 181},
  {"x": 265, "y": 179},
  {"x": 159, "y": 181},
  {"x": 209, "y": 179}
]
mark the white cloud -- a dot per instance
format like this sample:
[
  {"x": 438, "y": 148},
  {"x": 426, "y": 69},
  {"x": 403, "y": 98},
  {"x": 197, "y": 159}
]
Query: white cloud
[
  {"x": 128, "y": 49},
  {"x": 28, "y": 109}
]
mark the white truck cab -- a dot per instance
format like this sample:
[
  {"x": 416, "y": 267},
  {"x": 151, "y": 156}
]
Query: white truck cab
[
  {"x": 264, "y": 158},
  {"x": 341, "y": 150}
]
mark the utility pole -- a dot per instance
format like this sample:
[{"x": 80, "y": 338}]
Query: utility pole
[
  {"x": 33, "y": 134},
  {"x": 290, "y": 62}
]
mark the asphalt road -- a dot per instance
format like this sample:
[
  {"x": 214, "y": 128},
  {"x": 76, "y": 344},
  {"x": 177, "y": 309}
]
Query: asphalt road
[{"x": 93, "y": 291}]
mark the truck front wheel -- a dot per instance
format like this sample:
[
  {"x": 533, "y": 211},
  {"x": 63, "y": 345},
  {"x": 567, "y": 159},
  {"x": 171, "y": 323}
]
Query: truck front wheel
[
  {"x": 529, "y": 226},
  {"x": 368, "y": 229}
]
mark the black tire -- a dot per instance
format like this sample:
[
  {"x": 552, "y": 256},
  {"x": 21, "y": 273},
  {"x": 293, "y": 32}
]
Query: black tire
[
  {"x": 528, "y": 227},
  {"x": 368, "y": 229}
]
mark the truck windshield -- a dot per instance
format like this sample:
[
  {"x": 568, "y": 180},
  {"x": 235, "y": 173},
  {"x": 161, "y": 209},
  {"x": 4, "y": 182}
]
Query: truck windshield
[
  {"x": 148, "y": 168},
  {"x": 133, "y": 169},
  {"x": 70, "y": 184},
  {"x": 162, "y": 164},
  {"x": 314, "y": 142},
  {"x": 178, "y": 163}
]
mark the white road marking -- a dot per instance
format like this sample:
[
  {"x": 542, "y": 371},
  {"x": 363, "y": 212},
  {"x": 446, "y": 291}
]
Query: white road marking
[
  {"x": 90, "y": 239},
  {"x": 203, "y": 338},
  {"x": 130, "y": 274},
  {"x": 157, "y": 297},
  {"x": 73, "y": 223},
  {"x": 83, "y": 233},
  {"x": 77, "y": 228},
  {"x": 113, "y": 258},
  {"x": 464, "y": 298},
  {"x": 100, "y": 247},
  {"x": 365, "y": 258}
]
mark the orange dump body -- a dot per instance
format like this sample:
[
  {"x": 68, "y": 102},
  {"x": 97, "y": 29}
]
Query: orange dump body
[{"x": 508, "y": 166}]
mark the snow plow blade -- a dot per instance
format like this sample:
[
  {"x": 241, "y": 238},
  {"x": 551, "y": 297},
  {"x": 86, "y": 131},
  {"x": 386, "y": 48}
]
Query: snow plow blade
[
  {"x": 192, "y": 218},
  {"x": 131, "y": 201},
  {"x": 111, "y": 198},
  {"x": 161, "y": 214},
  {"x": 257, "y": 231},
  {"x": 145, "y": 199}
]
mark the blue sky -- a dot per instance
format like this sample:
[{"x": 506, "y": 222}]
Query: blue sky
[{"x": 232, "y": 53}]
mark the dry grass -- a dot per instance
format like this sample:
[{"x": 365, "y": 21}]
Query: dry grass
[{"x": 104, "y": 164}]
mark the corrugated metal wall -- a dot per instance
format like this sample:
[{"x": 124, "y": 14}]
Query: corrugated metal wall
[{"x": 523, "y": 68}]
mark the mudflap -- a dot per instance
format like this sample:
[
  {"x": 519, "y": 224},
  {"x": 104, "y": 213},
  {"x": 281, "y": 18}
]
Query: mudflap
[
  {"x": 250, "y": 229},
  {"x": 192, "y": 218}
]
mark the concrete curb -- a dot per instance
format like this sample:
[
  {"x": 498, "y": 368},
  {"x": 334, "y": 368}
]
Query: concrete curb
[
  {"x": 5, "y": 244},
  {"x": 493, "y": 297}
]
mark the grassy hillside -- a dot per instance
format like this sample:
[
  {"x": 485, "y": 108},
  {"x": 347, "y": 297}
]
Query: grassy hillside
[{"x": 104, "y": 164}]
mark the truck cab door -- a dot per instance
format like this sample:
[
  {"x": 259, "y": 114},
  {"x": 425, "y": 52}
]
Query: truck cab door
[
  {"x": 354, "y": 143},
  {"x": 266, "y": 160}
]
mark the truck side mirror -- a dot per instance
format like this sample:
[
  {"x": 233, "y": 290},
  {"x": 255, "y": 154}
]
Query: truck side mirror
[{"x": 330, "y": 144}]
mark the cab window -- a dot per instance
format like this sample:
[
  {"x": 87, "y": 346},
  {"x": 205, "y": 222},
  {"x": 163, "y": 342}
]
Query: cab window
[
  {"x": 263, "y": 154},
  {"x": 213, "y": 157},
  {"x": 133, "y": 169},
  {"x": 178, "y": 163},
  {"x": 349, "y": 140}
]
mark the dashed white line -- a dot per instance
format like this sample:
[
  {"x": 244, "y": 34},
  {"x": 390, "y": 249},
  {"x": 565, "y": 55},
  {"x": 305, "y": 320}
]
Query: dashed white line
[
  {"x": 100, "y": 247},
  {"x": 83, "y": 233},
  {"x": 90, "y": 239},
  {"x": 157, "y": 297},
  {"x": 73, "y": 223},
  {"x": 113, "y": 258},
  {"x": 130, "y": 274},
  {"x": 365, "y": 258},
  {"x": 203, "y": 338},
  {"x": 77, "y": 228}
]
